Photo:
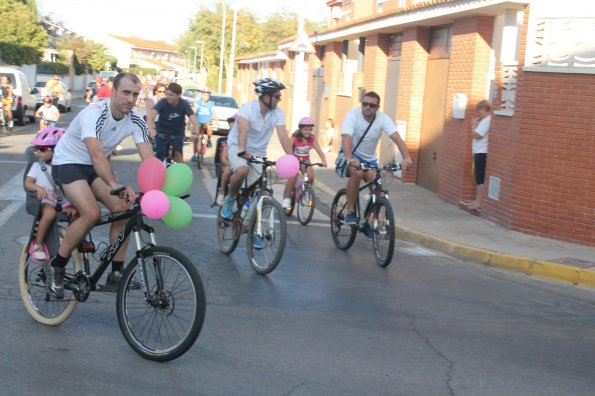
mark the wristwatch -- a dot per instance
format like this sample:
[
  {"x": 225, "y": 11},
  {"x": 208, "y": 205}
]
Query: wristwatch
[{"x": 241, "y": 153}]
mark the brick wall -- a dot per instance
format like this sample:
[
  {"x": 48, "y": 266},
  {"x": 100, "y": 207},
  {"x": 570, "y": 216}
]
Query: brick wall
[
  {"x": 468, "y": 74},
  {"x": 412, "y": 80},
  {"x": 554, "y": 188}
]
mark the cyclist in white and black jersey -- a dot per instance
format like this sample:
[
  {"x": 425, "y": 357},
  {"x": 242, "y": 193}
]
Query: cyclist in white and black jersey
[{"x": 82, "y": 169}]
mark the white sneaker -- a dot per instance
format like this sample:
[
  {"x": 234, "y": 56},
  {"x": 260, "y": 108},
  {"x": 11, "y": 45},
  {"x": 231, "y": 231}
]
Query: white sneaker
[{"x": 286, "y": 203}]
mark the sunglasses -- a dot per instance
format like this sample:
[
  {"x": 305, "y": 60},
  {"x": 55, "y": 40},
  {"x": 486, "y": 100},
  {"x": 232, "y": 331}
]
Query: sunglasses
[
  {"x": 43, "y": 149},
  {"x": 370, "y": 105},
  {"x": 161, "y": 91}
]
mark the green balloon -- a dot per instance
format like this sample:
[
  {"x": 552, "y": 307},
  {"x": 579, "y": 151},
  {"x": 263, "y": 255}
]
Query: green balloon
[
  {"x": 178, "y": 179},
  {"x": 179, "y": 214}
]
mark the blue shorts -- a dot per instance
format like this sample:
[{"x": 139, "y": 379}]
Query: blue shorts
[{"x": 361, "y": 160}]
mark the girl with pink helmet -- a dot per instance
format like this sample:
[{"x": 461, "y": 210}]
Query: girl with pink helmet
[
  {"x": 302, "y": 141},
  {"x": 40, "y": 182}
]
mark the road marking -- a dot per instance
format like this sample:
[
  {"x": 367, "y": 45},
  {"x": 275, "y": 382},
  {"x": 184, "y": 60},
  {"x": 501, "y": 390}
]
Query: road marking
[
  {"x": 9, "y": 211},
  {"x": 12, "y": 190}
]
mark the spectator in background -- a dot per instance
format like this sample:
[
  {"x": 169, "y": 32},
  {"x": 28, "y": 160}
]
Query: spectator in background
[
  {"x": 480, "y": 129},
  {"x": 105, "y": 92},
  {"x": 329, "y": 132},
  {"x": 92, "y": 92},
  {"x": 54, "y": 89}
]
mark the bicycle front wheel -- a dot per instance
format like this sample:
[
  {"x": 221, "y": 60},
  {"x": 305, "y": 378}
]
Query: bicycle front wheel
[
  {"x": 228, "y": 233},
  {"x": 200, "y": 157},
  {"x": 343, "y": 235},
  {"x": 305, "y": 206},
  {"x": 162, "y": 318},
  {"x": 39, "y": 302},
  {"x": 267, "y": 232},
  {"x": 384, "y": 232}
]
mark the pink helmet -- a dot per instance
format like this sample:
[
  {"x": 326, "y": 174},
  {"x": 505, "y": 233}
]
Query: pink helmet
[
  {"x": 48, "y": 137},
  {"x": 306, "y": 121}
]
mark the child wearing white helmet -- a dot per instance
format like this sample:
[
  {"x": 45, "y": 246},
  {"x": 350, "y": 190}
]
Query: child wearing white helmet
[
  {"x": 40, "y": 182},
  {"x": 302, "y": 141}
]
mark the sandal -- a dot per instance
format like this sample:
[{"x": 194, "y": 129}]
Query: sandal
[{"x": 39, "y": 252}]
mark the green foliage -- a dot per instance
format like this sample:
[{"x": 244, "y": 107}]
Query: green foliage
[
  {"x": 22, "y": 40},
  {"x": 52, "y": 68},
  {"x": 252, "y": 35}
]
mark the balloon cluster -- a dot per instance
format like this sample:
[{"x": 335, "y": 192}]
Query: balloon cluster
[{"x": 161, "y": 188}]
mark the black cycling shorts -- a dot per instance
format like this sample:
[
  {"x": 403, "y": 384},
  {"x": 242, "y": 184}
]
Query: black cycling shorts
[
  {"x": 161, "y": 146},
  {"x": 68, "y": 173}
]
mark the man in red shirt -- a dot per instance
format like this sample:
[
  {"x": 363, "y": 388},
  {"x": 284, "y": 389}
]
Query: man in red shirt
[{"x": 105, "y": 92}]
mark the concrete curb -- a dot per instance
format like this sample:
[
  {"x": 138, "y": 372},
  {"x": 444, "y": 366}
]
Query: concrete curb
[
  {"x": 526, "y": 265},
  {"x": 544, "y": 269}
]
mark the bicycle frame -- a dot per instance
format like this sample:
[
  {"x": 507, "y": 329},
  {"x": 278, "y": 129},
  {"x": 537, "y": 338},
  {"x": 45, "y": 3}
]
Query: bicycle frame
[
  {"x": 375, "y": 192},
  {"x": 134, "y": 226},
  {"x": 253, "y": 192}
]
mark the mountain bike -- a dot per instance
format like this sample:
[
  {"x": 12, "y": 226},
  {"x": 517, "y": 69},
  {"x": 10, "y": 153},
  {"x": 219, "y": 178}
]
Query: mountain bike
[
  {"x": 377, "y": 222},
  {"x": 160, "y": 302},
  {"x": 170, "y": 139},
  {"x": 259, "y": 216},
  {"x": 47, "y": 123},
  {"x": 304, "y": 196},
  {"x": 200, "y": 150}
]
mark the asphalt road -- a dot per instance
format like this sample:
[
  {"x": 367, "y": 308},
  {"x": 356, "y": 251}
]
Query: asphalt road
[{"x": 325, "y": 322}]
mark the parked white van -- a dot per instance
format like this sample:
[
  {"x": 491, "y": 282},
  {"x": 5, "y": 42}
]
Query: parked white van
[{"x": 24, "y": 99}]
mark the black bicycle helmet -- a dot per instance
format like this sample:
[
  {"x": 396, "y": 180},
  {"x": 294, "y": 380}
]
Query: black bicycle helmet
[{"x": 267, "y": 86}]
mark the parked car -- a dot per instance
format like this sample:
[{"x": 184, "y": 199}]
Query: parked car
[
  {"x": 24, "y": 99},
  {"x": 64, "y": 100},
  {"x": 225, "y": 107}
]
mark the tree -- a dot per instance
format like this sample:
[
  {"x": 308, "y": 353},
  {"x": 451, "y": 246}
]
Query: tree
[
  {"x": 253, "y": 35},
  {"x": 22, "y": 39}
]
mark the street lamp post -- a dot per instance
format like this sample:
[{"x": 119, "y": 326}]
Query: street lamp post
[
  {"x": 221, "y": 54},
  {"x": 202, "y": 56},
  {"x": 194, "y": 64},
  {"x": 232, "y": 51}
]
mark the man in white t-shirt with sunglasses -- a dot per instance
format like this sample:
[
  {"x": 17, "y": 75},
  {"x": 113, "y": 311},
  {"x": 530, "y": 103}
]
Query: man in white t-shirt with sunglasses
[{"x": 355, "y": 124}]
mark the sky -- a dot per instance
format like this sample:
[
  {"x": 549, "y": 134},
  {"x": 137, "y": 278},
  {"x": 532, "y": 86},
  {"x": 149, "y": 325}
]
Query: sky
[{"x": 155, "y": 20}]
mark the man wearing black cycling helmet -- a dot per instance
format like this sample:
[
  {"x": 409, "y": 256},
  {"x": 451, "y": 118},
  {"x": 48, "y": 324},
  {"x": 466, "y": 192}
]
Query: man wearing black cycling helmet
[{"x": 250, "y": 135}]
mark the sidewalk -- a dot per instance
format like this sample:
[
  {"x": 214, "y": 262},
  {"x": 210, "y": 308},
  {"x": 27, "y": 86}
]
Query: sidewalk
[{"x": 424, "y": 219}]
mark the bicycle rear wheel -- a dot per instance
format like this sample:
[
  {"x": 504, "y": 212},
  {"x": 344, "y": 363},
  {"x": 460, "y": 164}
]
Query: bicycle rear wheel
[
  {"x": 37, "y": 299},
  {"x": 343, "y": 235},
  {"x": 384, "y": 232},
  {"x": 165, "y": 322},
  {"x": 200, "y": 157},
  {"x": 228, "y": 233},
  {"x": 305, "y": 206},
  {"x": 273, "y": 231}
]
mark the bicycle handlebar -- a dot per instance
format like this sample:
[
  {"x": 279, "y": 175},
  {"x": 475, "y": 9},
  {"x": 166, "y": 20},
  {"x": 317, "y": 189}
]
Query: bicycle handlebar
[
  {"x": 261, "y": 160},
  {"x": 366, "y": 166},
  {"x": 171, "y": 138},
  {"x": 308, "y": 163}
]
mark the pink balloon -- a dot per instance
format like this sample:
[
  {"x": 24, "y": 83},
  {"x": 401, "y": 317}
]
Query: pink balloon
[
  {"x": 151, "y": 175},
  {"x": 155, "y": 204},
  {"x": 287, "y": 166}
]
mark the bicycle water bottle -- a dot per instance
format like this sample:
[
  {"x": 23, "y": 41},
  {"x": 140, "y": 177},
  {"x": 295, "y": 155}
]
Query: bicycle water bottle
[
  {"x": 250, "y": 210},
  {"x": 245, "y": 209}
]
